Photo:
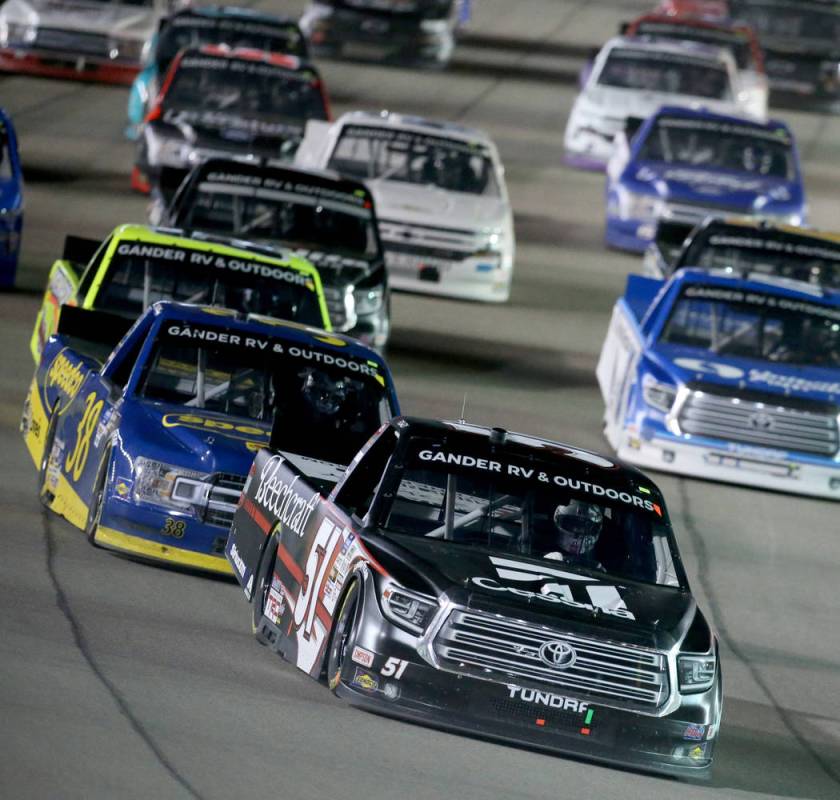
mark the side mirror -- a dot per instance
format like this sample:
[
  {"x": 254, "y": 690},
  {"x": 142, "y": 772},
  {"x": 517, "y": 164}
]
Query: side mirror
[{"x": 620, "y": 155}]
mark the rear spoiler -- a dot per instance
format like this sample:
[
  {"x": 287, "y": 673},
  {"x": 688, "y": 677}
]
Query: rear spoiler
[
  {"x": 320, "y": 475},
  {"x": 79, "y": 250},
  {"x": 95, "y": 327},
  {"x": 669, "y": 239}
]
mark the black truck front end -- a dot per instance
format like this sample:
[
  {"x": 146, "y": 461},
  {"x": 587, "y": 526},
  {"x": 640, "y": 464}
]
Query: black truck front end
[{"x": 486, "y": 672}]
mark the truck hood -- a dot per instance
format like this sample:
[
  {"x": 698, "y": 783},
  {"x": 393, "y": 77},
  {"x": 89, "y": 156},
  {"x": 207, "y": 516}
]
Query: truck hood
[
  {"x": 76, "y": 15},
  {"x": 553, "y": 593},
  {"x": 697, "y": 185},
  {"x": 694, "y": 364},
  {"x": 615, "y": 102},
  {"x": 209, "y": 442},
  {"x": 193, "y": 438},
  {"x": 429, "y": 205}
]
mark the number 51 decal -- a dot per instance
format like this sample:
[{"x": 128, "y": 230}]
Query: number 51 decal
[{"x": 394, "y": 667}]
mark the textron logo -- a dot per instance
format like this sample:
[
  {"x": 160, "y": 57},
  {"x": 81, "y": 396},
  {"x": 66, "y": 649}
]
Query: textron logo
[{"x": 600, "y": 597}]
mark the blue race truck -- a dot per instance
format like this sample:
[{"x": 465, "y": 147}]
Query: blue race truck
[
  {"x": 147, "y": 446},
  {"x": 726, "y": 377}
]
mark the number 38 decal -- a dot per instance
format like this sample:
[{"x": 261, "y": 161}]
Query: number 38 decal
[{"x": 75, "y": 463}]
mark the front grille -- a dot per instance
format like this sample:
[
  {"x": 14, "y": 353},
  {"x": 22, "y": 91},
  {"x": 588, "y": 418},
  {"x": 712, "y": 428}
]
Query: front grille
[
  {"x": 689, "y": 211},
  {"x": 430, "y": 252},
  {"x": 93, "y": 44},
  {"x": 503, "y": 649},
  {"x": 222, "y": 498},
  {"x": 336, "y": 307},
  {"x": 793, "y": 71},
  {"x": 446, "y": 243},
  {"x": 764, "y": 423}
]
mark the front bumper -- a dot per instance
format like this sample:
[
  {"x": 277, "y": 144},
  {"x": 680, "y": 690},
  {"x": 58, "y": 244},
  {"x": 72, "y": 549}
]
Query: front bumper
[
  {"x": 680, "y": 744},
  {"x": 633, "y": 235},
  {"x": 66, "y": 65},
  {"x": 151, "y": 534},
  {"x": 471, "y": 278},
  {"x": 732, "y": 463},
  {"x": 356, "y": 35}
]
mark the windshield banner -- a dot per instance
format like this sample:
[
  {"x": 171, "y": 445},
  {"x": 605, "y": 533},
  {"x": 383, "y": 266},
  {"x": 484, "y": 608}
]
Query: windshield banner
[
  {"x": 758, "y": 299},
  {"x": 412, "y": 138},
  {"x": 725, "y": 128},
  {"x": 534, "y": 473},
  {"x": 208, "y": 259},
  {"x": 824, "y": 251},
  {"x": 247, "y": 340}
]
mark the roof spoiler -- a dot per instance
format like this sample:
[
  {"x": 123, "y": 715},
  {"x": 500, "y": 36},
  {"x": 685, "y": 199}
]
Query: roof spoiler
[
  {"x": 79, "y": 249},
  {"x": 89, "y": 325}
]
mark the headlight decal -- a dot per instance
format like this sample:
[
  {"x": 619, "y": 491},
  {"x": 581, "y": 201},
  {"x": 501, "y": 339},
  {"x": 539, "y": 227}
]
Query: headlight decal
[
  {"x": 407, "y": 609},
  {"x": 696, "y": 673},
  {"x": 167, "y": 485}
]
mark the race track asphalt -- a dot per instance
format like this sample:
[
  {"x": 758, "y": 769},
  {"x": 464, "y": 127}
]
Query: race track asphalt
[{"x": 121, "y": 680}]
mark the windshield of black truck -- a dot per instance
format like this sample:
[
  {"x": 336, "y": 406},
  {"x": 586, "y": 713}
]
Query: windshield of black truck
[
  {"x": 719, "y": 146},
  {"x": 326, "y": 406},
  {"x": 244, "y": 88},
  {"x": 749, "y": 324},
  {"x": 292, "y": 215},
  {"x": 665, "y": 72},
  {"x": 790, "y": 19},
  {"x": 536, "y": 509},
  {"x": 370, "y": 153},
  {"x": 141, "y": 274},
  {"x": 184, "y": 32},
  {"x": 787, "y": 257}
]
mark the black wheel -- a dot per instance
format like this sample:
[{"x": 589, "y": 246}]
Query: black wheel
[
  {"x": 343, "y": 635},
  {"x": 97, "y": 500},
  {"x": 44, "y": 495},
  {"x": 262, "y": 584}
]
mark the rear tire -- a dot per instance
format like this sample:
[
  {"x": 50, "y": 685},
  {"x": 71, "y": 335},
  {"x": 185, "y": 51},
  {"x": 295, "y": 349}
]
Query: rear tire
[
  {"x": 343, "y": 635},
  {"x": 262, "y": 585},
  {"x": 45, "y": 496}
]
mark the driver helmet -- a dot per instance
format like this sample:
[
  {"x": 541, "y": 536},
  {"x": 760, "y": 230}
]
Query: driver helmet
[
  {"x": 324, "y": 395},
  {"x": 578, "y": 526}
]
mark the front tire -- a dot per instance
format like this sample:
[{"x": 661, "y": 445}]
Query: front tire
[
  {"x": 97, "y": 500},
  {"x": 344, "y": 635},
  {"x": 262, "y": 585}
]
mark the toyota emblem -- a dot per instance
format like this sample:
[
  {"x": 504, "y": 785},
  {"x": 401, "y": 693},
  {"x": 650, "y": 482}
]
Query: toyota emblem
[
  {"x": 557, "y": 654},
  {"x": 761, "y": 421}
]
